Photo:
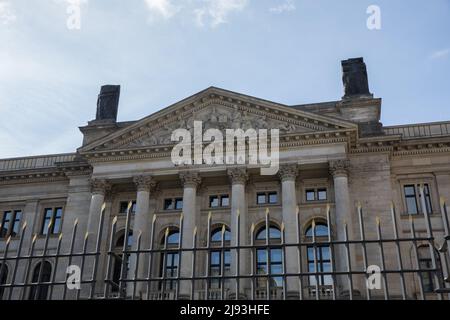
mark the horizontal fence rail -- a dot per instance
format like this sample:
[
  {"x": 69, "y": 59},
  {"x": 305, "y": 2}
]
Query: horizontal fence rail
[{"x": 366, "y": 260}]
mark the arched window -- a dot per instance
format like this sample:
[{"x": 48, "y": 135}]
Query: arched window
[
  {"x": 41, "y": 276},
  {"x": 269, "y": 261},
  {"x": 319, "y": 259},
  {"x": 170, "y": 259},
  {"x": 426, "y": 262},
  {"x": 3, "y": 278},
  {"x": 220, "y": 259},
  {"x": 118, "y": 256}
]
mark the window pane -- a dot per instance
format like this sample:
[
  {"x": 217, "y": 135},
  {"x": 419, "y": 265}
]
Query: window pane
[
  {"x": 322, "y": 194},
  {"x": 47, "y": 218},
  {"x": 275, "y": 256},
  {"x": 133, "y": 207},
  {"x": 411, "y": 205},
  {"x": 310, "y": 195},
  {"x": 321, "y": 230},
  {"x": 179, "y": 204},
  {"x": 214, "y": 201},
  {"x": 225, "y": 201},
  {"x": 261, "y": 198},
  {"x": 273, "y": 197},
  {"x": 427, "y": 194},
  {"x": 409, "y": 190},
  {"x": 216, "y": 235},
  {"x": 6, "y": 223},
  {"x": 168, "y": 204},
  {"x": 173, "y": 238},
  {"x": 16, "y": 223}
]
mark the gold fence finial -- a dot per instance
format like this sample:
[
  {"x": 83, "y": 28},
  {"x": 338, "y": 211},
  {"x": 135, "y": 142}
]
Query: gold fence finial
[{"x": 378, "y": 220}]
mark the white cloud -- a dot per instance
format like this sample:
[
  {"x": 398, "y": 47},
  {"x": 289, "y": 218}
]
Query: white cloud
[
  {"x": 440, "y": 54},
  {"x": 165, "y": 8},
  {"x": 217, "y": 11},
  {"x": 288, "y": 5},
  {"x": 7, "y": 14},
  {"x": 213, "y": 12}
]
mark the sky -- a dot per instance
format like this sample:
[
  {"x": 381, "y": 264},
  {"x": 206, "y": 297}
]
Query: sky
[{"x": 161, "y": 51}]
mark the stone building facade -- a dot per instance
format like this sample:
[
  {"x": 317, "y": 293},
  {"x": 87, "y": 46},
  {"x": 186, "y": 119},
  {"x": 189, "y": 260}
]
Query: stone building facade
[{"x": 338, "y": 163}]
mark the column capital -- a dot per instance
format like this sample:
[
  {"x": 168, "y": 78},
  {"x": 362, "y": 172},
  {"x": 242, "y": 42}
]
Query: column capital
[
  {"x": 339, "y": 167},
  {"x": 190, "y": 179},
  {"x": 144, "y": 183},
  {"x": 288, "y": 172},
  {"x": 238, "y": 175},
  {"x": 100, "y": 186}
]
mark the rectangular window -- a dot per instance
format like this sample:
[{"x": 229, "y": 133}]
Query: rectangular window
[
  {"x": 213, "y": 201},
  {"x": 261, "y": 198},
  {"x": 319, "y": 194},
  {"x": 267, "y": 197},
  {"x": 53, "y": 216},
  {"x": 225, "y": 200},
  {"x": 310, "y": 195},
  {"x": 10, "y": 223},
  {"x": 413, "y": 198},
  {"x": 273, "y": 197},
  {"x": 124, "y": 207},
  {"x": 173, "y": 204}
]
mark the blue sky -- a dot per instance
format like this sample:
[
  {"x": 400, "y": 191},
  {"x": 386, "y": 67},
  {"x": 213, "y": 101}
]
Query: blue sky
[{"x": 161, "y": 51}]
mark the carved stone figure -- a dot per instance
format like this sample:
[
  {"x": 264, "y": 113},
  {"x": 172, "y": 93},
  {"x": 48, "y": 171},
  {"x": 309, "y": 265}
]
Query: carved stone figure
[{"x": 354, "y": 77}]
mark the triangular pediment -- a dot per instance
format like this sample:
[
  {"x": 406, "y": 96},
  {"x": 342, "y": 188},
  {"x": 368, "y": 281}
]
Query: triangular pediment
[{"x": 218, "y": 109}]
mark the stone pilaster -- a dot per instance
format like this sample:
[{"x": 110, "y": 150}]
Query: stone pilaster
[
  {"x": 191, "y": 181},
  {"x": 288, "y": 175},
  {"x": 238, "y": 178},
  {"x": 142, "y": 225}
]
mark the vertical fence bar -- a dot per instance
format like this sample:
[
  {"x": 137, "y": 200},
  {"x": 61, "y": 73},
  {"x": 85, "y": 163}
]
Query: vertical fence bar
[
  {"x": 349, "y": 263},
  {"x": 135, "y": 276},
  {"x": 268, "y": 255},
  {"x": 41, "y": 266},
  {"x": 252, "y": 262},
  {"x": 299, "y": 253},
  {"x": 5, "y": 258},
  {"x": 382, "y": 260},
  {"x": 27, "y": 272},
  {"x": 364, "y": 247},
  {"x": 238, "y": 252},
  {"x": 57, "y": 256},
  {"x": 97, "y": 252},
  {"x": 150, "y": 258},
  {"x": 180, "y": 256},
  {"x": 416, "y": 254},
  {"x": 164, "y": 262},
  {"x": 222, "y": 259},
  {"x": 314, "y": 248},
  {"x": 398, "y": 250},
  {"x": 446, "y": 253},
  {"x": 16, "y": 264},
  {"x": 124, "y": 266},
  {"x": 72, "y": 245},
  {"x": 208, "y": 254},
  {"x": 431, "y": 241},
  {"x": 194, "y": 251},
  {"x": 283, "y": 252},
  {"x": 110, "y": 259},
  {"x": 83, "y": 258},
  {"x": 333, "y": 276}
]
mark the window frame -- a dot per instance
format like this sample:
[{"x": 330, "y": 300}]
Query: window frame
[
  {"x": 12, "y": 223},
  {"x": 427, "y": 192},
  {"x": 125, "y": 204},
  {"x": 267, "y": 195},
  {"x": 219, "y": 198},
  {"x": 54, "y": 217},
  {"x": 316, "y": 192},
  {"x": 174, "y": 204}
]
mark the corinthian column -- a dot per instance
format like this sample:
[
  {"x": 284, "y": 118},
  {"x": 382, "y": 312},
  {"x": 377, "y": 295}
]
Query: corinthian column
[
  {"x": 238, "y": 178},
  {"x": 190, "y": 180},
  {"x": 339, "y": 171},
  {"x": 142, "y": 225},
  {"x": 288, "y": 175},
  {"x": 99, "y": 188}
]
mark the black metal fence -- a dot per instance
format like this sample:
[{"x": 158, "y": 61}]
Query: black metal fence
[{"x": 407, "y": 267}]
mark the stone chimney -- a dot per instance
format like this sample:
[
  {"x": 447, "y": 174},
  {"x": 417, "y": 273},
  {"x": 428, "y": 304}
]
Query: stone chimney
[
  {"x": 354, "y": 77},
  {"x": 108, "y": 104}
]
